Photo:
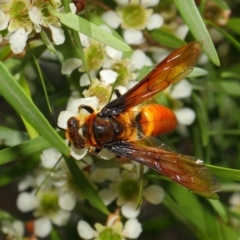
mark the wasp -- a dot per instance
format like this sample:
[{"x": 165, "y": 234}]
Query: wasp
[{"x": 126, "y": 126}]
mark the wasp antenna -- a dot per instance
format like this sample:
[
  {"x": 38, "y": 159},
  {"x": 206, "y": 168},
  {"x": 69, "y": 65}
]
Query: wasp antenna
[
  {"x": 117, "y": 92},
  {"x": 87, "y": 108}
]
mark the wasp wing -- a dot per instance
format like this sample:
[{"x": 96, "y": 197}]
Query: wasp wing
[
  {"x": 185, "y": 170},
  {"x": 173, "y": 68}
]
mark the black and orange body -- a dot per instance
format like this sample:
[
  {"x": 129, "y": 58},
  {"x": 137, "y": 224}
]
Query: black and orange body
[{"x": 126, "y": 126}]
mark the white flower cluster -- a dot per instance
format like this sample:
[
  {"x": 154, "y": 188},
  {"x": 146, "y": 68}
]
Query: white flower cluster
[
  {"x": 56, "y": 198},
  {"x": 49, "y": 192},
  {"x": 23, "y": 18}
]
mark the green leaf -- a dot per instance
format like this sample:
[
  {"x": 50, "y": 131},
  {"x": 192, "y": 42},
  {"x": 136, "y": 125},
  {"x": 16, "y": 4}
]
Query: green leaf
[
  {"x": 233, "y": 24},
  {"x": 23, "y": 150},
  {"x": 220, "y": 209},
  {"x": 200, "y": 219},
  {"x": 19, "y": 169},
  {"x": 31, "y": 131},
  {"x": 231, "y": 87},
  {"x": 230, "y": 38},
  {"x": 91, "y": 30},
  {"x": 202, "y": 119},
  {"x": 16, "y": 97},
  {"x": 228, "y": 173},
  {"x": 85, "y": 186},
  {"x": 222, "y": 4},
  {"x": 10, "y": 137},
  {"x": 198, "y": 72},
  {"x": 191, "y": 16},
  {"x": 5, "y": 216},
  {"x": 166, "y": 38}
]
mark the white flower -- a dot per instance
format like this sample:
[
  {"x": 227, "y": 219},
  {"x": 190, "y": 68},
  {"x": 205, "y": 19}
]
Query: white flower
[
  {"x": 130, "y": 210},
  {"x": 153, "y": 194},
  {"x": 70, "y": 64},
  {"x": 67, "y": 201},
  {"x": 84, "y": 79},
  {"x": 50, "y": 157},
  {"x": 154, "y": 21},
  {"x": 134, "y": 15},
  {"x": 132, "y": 229},
  {"x": 112, "y": 19},
  {"x": 4, "y": 20},
  {"x": 57, "y": 34},
  {"x": 73, "y": 111},
  {"x": 13, "y": 230},
  {"x": 185, "y": 116},
  {"x": 26, "y": 182},
  {"x": 36, "y": 17},
  {"x": 133, "y": 37},
  {"x": 85, "y": 231},
  {"x": 42, "y": 227},
  {"x": 182, "y": 89},
  {"x": 27, "y": 202},
  {"x": 18, "y": 40},
  {"x": 108, "y": 76},
  {"x": 138, "y": 59}
]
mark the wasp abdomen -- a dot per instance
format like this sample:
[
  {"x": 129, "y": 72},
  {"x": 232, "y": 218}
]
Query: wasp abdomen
[{"x": 154, "y": 119}]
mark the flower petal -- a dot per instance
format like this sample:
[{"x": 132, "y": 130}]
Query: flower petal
[
  {"x": 108, "y": 196},
  {"x": 18, "y": 40},
  {"x": 185, "y": 116},
  {"x": 155, "y": 21},
  {"x": 132, "y": 229},
  {"x": 91, "y": 101},
  {"x": 67, "y": 201},
  {"x": 85, "y": 231},
  {"x": 26, "y": 182},
  {"x": 70, "y": 64},
  {"x": 4, "y": 19},
  {"x": 182, "y": 89},
  {"x": 26, "y": 202},
  {"x": 84, "y": 79},
  {"x": 112, "y": 19},
  {"x": 113, "y": 53},
  {"x": 108, "y": 76},
  {"x": 133, "y": 37},
  {"x": 154, "y": 194},
  {"x": 49, "y": 157},
  {"x": 57, "y": 34},
  {"x": 138, "y": 59},
  {"x": 42, "y": 227},
  {"x": 63, "y": 118},
  {"x": 149, "y": 3},
  {"x": 61, "y": 217},
  {"x": 129, "y": 210},
  {"x": 35, "y": 15},
  {"x": 78, "y": 153}
]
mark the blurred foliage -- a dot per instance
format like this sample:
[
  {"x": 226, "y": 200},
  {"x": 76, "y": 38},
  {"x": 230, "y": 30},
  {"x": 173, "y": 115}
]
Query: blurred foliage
[{"x": 213, "y": 137}]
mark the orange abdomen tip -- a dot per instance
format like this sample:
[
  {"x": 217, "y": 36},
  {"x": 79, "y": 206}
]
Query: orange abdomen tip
[{"x": 155, "y": 119}]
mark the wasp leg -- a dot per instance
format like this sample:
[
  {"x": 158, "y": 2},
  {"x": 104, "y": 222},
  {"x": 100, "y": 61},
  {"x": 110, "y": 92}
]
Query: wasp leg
[
  {"x": 97, "y": 151},
  {"x": 87, "y": 108}
]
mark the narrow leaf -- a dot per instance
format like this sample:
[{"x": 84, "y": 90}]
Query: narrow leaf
[
  {"x": 202, "y": 119},
  {"x": 23, "y": 150},
  {"x": 193, "y": 19},
  {"x": 16, "y": 97},
  {"x": 166, "y": 38},
  {"x": 229, "y": 173},
  {"x": 91, "y": 30},
  {"x": 85, "y": 186}
]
